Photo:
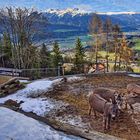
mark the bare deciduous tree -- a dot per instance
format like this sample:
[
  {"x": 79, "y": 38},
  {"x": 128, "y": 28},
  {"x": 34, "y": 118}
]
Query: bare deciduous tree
[
  {"x": 108, "y": 34},
  {"x": 96, "y": 30},
  {"x": 20, "y": 25},
  {"x": 116, "y": 33}
]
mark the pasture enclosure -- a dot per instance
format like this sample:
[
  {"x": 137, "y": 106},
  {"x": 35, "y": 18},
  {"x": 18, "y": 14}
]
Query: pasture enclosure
[
  {"x": 75, "y": 94},
  {"x": 65, "y": 105}
]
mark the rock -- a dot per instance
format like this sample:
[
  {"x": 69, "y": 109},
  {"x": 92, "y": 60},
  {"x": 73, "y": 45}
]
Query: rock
[{"x": 12, "y": 103}]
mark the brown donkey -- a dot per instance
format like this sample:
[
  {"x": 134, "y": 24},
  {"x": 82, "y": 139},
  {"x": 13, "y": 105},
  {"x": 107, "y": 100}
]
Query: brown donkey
[{"x": 109, "y": 110}]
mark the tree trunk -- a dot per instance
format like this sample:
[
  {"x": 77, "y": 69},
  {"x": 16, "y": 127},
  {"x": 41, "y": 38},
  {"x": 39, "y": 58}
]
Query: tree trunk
[
  {"x": 96, "y": 54},
  {"x": 107, "y": 64},
  {"x": 115, "y": 65},
  {"x": 120, "y": 62},
  {"x": 3, "y": 63}
]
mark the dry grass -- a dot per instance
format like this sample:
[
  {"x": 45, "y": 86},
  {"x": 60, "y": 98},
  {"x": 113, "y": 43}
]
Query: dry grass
[{"x": 4, "y": 79}]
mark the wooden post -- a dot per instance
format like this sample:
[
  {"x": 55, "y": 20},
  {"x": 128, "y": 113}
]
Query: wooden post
[
  {"x": 12, "y": 73},
  {"x": 58, "y": 71},
  {"x": 63, "y": 70}
]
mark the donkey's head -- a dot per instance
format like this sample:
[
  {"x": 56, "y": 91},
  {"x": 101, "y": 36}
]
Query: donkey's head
[{"x": 119, "y": 100}]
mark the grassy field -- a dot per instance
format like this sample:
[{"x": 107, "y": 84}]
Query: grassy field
[
  {"x": 137, "y": 45},
  {"x": 69, "y": 42},
  {"x": 102, "y": 58}
]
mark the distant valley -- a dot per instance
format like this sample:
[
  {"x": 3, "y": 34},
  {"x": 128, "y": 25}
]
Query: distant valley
[{"x": 66, "y": 25}]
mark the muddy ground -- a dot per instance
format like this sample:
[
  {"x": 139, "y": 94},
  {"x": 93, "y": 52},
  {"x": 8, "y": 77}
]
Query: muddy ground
[{"x": 76, "y": 112}]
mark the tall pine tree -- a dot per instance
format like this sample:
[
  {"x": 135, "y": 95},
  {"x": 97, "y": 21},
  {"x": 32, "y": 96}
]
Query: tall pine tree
[
  {"x": 45, "y": 56},
  {"x": 56, "y": 57},
  {"x": 7, "y": 50},
  {"x": 79, "y": 54}
]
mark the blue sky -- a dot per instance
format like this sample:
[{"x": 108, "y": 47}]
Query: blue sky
[{"x": 87, "y": 5}]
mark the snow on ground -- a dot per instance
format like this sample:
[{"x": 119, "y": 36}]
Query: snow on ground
[
  {"x": 40, "y": 106},
  {"x": 31, "y": 101},
  {"x": 24, "y": 81},
  {"x": 38, "y": 87},
  {"x": 75, "y": 78},
  {"x": 73, "y": 120},
  {"x": 134, "y": 75},
  {"x": 16, "y": 126}
]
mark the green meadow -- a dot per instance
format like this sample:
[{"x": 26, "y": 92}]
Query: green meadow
[{"x": 137, "y": 45}]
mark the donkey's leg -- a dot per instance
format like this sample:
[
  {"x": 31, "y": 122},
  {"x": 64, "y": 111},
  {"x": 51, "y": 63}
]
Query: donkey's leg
[
  {"x": 104, "y": 122},
  {"x": 95, "y": 115},
  {"x": 125, "y": 105},
  {"x": 108, "y": 121},
  {"x": 132, "y": 108},
  {"x": 89, "y": 110}
]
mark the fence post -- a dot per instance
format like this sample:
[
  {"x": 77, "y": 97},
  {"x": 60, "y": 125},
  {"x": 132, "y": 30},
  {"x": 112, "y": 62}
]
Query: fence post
[
  {"x": 58, "y": 71},
  {"x": 63, "y": 70}
]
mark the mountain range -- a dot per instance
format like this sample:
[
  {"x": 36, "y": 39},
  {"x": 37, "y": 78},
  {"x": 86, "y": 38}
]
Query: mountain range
[
  {"x": 66, "y": 25},
  {"x": 129, "y": 21},
  {"x": 71, "y": 23}
]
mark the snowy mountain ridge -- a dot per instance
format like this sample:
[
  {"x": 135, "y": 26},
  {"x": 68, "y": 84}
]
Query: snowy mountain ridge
[
  {"x": 77, "y": 11},
  {"x": 71, "y": 11}
]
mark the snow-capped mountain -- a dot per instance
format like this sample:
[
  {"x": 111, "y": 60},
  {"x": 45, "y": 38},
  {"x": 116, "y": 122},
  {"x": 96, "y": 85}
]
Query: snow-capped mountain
[
  {"x": 80, "y": 18},
  {"x": 70, "y": 11},
  {"x": 66, "y": 25},
  {"x": 77, "y": 11},
  {"x": 118, "y": 13}
]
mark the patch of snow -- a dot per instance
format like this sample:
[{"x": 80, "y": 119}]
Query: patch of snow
[
  {"x": 9, "y": 73},
  {"x": 16, "y": 126},
  {"x": 37, "y": 106},
  {"x": 134, "y": 75},
  {"x": 75, "y": 78},
  {"x": 40, "y": 106},
  {"x": 24, "y": 81},
  {"x": 37, "y": 88},
  {"x": 73, "y": 120}
]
